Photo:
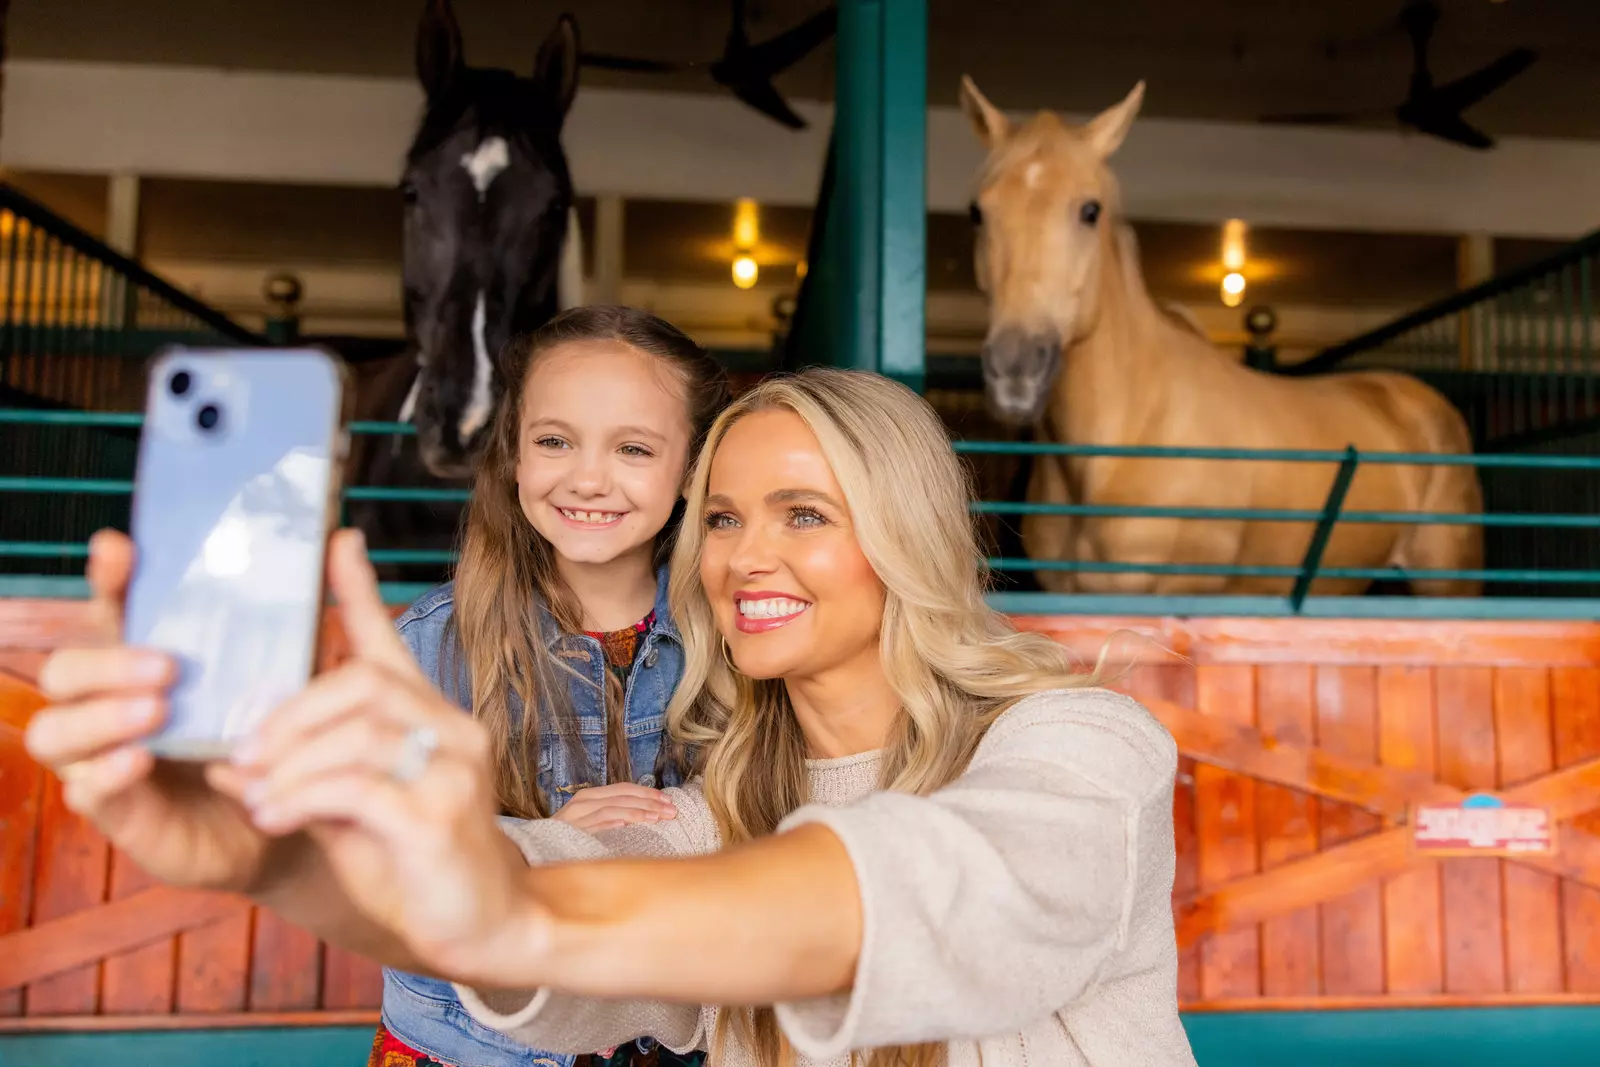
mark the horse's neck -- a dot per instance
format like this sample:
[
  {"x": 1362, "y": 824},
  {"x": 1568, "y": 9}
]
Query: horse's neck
[{"x": 1114, "y": 378}]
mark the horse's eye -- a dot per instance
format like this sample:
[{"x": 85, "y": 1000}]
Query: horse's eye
[
  {"x": 1089, "y": 213},
  {"x": 975, "y": 213},
  {"x": 408, "y": 191}
]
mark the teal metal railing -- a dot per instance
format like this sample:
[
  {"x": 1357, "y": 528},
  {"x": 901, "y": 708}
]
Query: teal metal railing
[
  {"x": 1519, "y": 354},
  {"x": 48, "y": 566},
  {"x": 78, "y": 320}
]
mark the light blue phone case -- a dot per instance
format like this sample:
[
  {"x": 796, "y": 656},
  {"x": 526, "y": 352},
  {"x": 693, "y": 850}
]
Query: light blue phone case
[{"x": 230, "y": 525}]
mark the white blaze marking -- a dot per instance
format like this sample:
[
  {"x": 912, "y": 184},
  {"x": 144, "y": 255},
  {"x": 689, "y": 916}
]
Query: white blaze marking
[
  {"x": 486, "y": 162},
  {"x": 1030, "y": 176},
  {"x": 569, "y": 280},
  {"x": 408, "y": 407},
  {"x": 476, "y": 413}
]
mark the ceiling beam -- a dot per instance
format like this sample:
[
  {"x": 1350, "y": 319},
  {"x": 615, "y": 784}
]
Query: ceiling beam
[{"x": 276, "y": 127}]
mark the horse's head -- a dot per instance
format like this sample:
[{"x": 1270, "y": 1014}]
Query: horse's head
[
  {"x": 487, "y": 195},
  {"x": 1044, "y": 219}
]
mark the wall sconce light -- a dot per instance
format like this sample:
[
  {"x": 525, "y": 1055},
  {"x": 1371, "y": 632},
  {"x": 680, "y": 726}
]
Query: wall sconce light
[
  {"x": 1232, "y": 289},
  {"x": 1233, "y": 258},
  {"x": 745, "y": 272}
]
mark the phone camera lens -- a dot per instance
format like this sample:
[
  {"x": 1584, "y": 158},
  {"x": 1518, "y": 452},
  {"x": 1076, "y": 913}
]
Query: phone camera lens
[
  {"x": 179, "y": 383},
  {"x": 208, "y": 417}
]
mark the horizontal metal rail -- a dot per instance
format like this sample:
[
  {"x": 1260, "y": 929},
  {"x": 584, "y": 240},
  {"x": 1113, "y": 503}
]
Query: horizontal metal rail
[{"x": 1301, "y": 574}]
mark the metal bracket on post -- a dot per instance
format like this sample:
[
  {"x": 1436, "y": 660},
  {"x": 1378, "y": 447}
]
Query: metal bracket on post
[{"x": 1319, "y": 536}]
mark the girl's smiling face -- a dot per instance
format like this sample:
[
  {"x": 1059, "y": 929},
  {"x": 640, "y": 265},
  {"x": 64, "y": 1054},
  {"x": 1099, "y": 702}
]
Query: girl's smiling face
[
  {"x": 792, "y": 592},
  {"x": 602, "y": 442}
]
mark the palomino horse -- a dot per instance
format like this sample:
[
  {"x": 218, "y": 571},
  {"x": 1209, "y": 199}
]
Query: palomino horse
[
  {"x": 1077, "y": 348},
  {"x": 491, "y": 250}
]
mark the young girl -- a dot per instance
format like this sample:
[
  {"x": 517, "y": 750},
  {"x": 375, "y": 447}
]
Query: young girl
[
  {"x": 913, "y": 835},
  {"x": 559, "y": 602}
]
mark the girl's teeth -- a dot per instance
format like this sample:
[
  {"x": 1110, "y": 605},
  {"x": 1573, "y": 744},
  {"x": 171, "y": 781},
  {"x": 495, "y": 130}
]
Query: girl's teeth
[
  {"x": 589, "y": 516},
  {"x": 775, "y": 608}
]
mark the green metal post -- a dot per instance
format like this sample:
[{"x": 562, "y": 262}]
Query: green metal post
[
  {"x": 880, "y": 196},
  {"x": 1319, "y": 536}
]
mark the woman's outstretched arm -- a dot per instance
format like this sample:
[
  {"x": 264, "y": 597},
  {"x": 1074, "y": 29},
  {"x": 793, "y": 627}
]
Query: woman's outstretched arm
[{"x": 1042, "y": 872}]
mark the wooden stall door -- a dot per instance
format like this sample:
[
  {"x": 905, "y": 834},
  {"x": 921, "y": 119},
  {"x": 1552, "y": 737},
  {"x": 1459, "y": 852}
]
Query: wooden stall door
[
  {"x": 88, "y": 941},
  {"x": 1304, "y": 743}
]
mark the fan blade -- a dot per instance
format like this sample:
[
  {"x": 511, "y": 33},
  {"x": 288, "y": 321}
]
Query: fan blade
[
  {"x": 765, "y": 99},
  {"x": 1455, "y": 129},
  {"x": 789, "y": 47},
  {"x": 1467, "y": 90},
  {"x": 629, "y": 63}
]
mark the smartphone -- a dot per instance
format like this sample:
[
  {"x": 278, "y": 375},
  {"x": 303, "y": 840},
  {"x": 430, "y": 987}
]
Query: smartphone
[{"x": 236, "y": 492}]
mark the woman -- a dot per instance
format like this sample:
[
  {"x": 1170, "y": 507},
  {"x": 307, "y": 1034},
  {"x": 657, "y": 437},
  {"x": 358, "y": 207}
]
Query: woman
[{"x": 913, "y": 830}]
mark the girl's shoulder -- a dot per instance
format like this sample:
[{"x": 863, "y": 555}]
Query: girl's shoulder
[{"x": 434, "y": 606}]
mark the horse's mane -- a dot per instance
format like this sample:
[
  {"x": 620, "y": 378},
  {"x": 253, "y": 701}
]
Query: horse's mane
[{"x": 1127, "y": 243}]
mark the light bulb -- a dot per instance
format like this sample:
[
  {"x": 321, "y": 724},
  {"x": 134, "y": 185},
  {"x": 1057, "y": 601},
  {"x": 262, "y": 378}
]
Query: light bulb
[
  {"x": 1232, "y": 289},
  {"x": 745, "y": 272}
]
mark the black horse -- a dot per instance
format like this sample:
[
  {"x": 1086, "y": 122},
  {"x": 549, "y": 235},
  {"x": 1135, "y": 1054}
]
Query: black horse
[{"x": 490, "y": 252}]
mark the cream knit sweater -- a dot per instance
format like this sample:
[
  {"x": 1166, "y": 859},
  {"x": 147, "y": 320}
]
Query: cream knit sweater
[{"x": 1023, "y": 913}]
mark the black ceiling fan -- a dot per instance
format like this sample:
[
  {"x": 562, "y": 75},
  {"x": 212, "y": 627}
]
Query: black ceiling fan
[
  {"x": 1428, "y": 108},
  {"x": 743, "y": 68}
]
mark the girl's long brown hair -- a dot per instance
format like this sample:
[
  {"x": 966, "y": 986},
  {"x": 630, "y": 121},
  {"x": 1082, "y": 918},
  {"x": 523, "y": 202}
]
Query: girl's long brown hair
[{"x": 506, "y": 571}]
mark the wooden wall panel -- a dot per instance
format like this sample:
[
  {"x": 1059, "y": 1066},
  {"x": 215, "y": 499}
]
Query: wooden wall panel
[
  {"x": 1474, "y": 943},
  {"x": 1575, "y": 729},
  {"x": 1474, "y": 705},
  {"x": 1352, "y": 925},
  {"x": 1414, "y": 923},
  {"x": 1287, "y": 821},
  {"x": 1532, "y": 899},
  {"x": 1225, "y": 814},
  {"x": 69, "y": 876}
]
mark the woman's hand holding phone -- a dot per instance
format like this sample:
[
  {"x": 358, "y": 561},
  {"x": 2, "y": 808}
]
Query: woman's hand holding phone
[
  {"x": 394, "y": 785},
  {"x": 368, "y": 783},
  {"x": 105, "y": 701}
]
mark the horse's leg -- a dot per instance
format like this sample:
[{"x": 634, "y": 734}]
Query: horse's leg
[
  {"x": 1449, "y": 490},
  {"x": 1050, "y": 536}
]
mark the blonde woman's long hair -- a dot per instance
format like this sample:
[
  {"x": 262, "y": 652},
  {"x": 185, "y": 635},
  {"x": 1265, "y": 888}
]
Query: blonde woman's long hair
[{"x": 954, "y": 662}]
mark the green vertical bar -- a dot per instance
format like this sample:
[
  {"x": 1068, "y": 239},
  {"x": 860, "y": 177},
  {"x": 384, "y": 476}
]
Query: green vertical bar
[
  {"x": 904, "y": 212},
  {"x": 880, "y": 195},
  {"x": 1569, "y": 361},
  {"x": 1586, "y": 313},
  {"x": 858, "y": 181}
]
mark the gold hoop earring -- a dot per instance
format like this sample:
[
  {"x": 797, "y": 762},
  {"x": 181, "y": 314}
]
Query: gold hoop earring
[{"x": 727, "y": 655}]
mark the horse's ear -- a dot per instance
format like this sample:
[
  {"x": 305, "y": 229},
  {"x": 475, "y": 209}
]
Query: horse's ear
[
  {"x": 988, "y": 122},
  {"x": 1107, "y": 129},
  {"x": 557, "y": 66},
  {"x": 438, "y": 47}
]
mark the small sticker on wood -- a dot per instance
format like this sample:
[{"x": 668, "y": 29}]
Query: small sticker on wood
[{"x": 1482, "y": 825}]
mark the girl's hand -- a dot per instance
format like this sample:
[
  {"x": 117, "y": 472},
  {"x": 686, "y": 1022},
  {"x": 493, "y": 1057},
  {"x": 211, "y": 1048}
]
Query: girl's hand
[
  {"x": 605, "y": 807},
  {"x": 105, "y": 701},
  {"x": 393, "y": 783}
]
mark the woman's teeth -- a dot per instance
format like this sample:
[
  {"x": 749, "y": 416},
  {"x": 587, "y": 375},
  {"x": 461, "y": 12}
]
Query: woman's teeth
[
  {"x": 776, "y": 608},
  {"x": 596, "y": 517}
]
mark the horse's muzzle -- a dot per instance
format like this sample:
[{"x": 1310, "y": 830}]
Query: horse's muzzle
[{"x": 1018, "y": 371}]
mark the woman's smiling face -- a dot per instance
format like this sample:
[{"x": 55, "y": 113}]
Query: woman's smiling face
[{"x": 792, "y": 592}]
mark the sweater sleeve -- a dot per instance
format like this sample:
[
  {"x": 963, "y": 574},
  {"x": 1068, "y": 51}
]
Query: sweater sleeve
[
  {"x": 1008, "y": 894},
  {"x": 546, "y": 1019}
]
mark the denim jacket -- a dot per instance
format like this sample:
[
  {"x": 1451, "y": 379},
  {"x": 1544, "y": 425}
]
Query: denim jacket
[{"x": 424, "y": 1012}]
